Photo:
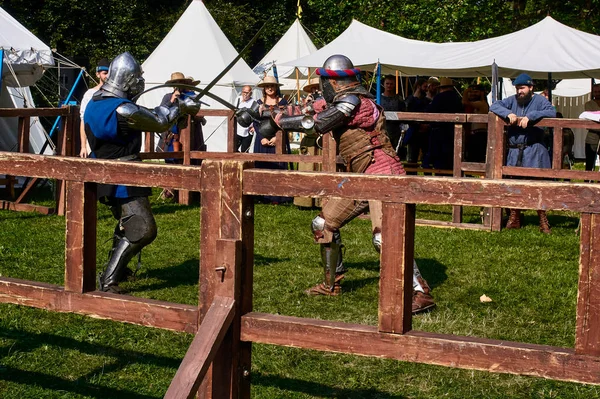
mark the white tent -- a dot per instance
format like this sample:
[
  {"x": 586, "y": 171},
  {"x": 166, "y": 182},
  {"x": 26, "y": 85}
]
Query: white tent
[
  {"x": 196, "y": 46},
  {"x": 294, "y": 44},
  {"x": 547, "y": 46},
  {"x": 25, "y": 59}
]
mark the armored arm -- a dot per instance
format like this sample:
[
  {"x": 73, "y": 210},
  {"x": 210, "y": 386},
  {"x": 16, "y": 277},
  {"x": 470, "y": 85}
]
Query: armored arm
[
  {"x": 332, "y": 117},
  {"x": 160, "y": 118}
]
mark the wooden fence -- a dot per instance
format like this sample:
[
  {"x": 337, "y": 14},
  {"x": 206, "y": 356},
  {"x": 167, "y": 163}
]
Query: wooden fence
[{"x": 219, "y": 360}]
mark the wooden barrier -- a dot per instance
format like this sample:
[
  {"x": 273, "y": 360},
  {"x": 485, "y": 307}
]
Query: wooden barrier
[{"x": 224, "y": 316}]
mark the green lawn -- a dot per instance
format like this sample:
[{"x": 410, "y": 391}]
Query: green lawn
[{"x": 531, "y": 278}]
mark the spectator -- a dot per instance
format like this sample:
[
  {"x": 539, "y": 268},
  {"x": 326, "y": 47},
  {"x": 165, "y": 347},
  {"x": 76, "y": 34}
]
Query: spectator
[
  {"x": 525, "y": 141},
  {"x": 101, "y": 74},
  {"x": 243, "y": 136},
  {"x": 592, "y": 139},
  {"x": 391, "y": 101},
  {"x": 418, "y": 133},
  {"x": 270, "y": 104},
  {"x": 475, "y": 102},
  {"x": 441, "y": 138}
]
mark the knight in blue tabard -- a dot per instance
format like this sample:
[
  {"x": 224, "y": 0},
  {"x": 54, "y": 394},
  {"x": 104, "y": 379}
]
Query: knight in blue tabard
[
  {"x": 525, "y": 141},
  {"x": 114, "y": 126}
]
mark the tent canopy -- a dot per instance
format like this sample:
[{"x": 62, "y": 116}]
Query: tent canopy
[
  {"x": 547, "y": 46},
  {"x": 26, "y": 54},
  {"x": 294, "y": 44},
  {"x": 205, "y": 62}
]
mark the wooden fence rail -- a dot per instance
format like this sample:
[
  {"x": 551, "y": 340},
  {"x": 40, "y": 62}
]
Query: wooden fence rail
[{"x": 227, "y": 260}]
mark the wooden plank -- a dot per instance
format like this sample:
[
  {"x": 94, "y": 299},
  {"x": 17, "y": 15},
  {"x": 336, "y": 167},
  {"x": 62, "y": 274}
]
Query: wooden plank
[
  {"x": 80, "y": 242},
  {"x": 100, "y": 171},
  {"x": 279, "y": 142},
  {"x": 566, "y": 174},
  {"x": 203, "y": 350},
  {"x": 31, "y": 112},
  {"x": 231, "y": 132},
  {"x": 450, "y": 225},
  {"x": 571, "y": 123},
  {"x": 397, "y": 255},
  {"x": 439, "y": 349},
  {"x": 24, "y": 127},
  {"x": 215, "y": 112},
  {"x": 329, "y": 153},
  {"x": 102, "y": 305},
  {"x": 557, "y": 142},
  {"x": 459, "y": 136},
  {"x": 238, "y": 156},
  {"x": 473, "y": 167},
  {"x": 423, "y": 117},
  {"x": 12, "y": 206},
  {"x": 27, "y": 189},
  {"x": 587, "y": 331},
  {"x": 521, "y": 194},
  {"x": 148, "y": 142},
  {"x": 494, "y": 159},
  {"x": 184, "y": 196}
]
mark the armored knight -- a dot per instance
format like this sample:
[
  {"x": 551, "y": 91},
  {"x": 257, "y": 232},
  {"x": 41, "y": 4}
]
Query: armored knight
[
  {"x": 113, "y": 126},
  {"x": 358, "y": 126}
]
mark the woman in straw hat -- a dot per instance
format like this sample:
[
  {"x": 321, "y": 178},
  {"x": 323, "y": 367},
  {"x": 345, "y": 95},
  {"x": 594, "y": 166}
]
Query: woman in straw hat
[{"x": 270, "y": 103}]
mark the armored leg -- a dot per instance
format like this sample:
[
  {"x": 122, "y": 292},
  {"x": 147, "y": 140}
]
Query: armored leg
[{"x": 135, "y": 230}]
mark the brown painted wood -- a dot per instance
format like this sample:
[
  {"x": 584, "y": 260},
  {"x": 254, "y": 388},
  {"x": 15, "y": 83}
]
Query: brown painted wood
[
  {"x": 12, "y": 206},
  {"x": 24, "y": 127},
  {"x": 459, "y": 136},
  {"x": 329, "y": 153},
  {"x": 101, "y": 171},
  {"x": 423, "y": 117},
  {"x": 444, "y": 350},
  {"x": 231, "y": 132},
  {"x": 521, "y": 194},
  {"x": 450, "y": 225},
  {"x": 31, "y": 112},
  {"x": 80, "y": 241},
  {"x": 280, "y": 143},
  {"x": 238, "y": 156},
  {"x": 397, "y": 255},
  {"x": 557, "y": 140},
  {"x": 571, "y": 123},
  {"x": 184, "y": 196},
  {"x": 27, "y": 189},
  {"x": 102, "y": 305},
  {"x": 216, "y": 112},
  {"x": 203, "y": 349},
  {"x": 495, "y": 159},
  {"x": 587, "y": 332},
  {"x": 149, "y": 143},
  {"x": 551, "y": 173},
  {"x": 473, "y": 167}
]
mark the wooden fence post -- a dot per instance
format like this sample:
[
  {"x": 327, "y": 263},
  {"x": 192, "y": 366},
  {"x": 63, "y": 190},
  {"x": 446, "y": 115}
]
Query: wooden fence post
[{"x": 226, "y": 268}]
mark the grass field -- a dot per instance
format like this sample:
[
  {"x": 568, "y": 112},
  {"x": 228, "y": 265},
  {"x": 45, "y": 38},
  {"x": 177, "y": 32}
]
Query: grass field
[{"x": 531, "y": 278}]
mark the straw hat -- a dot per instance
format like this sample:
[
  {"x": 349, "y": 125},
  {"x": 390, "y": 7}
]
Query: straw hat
[
  {"x": 178, "y": 77},
  {"x": 446, "y": 82},
  {"x": 268, "y": 81},
  {"x": 314, "y": 83}
]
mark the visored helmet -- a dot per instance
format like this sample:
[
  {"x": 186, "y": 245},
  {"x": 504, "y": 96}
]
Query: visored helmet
[
  {"x": 124, "y": 77},
  {"x": 337, "y": 75}
]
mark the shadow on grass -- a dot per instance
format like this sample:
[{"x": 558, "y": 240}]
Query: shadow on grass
[
  {"x": 172, "y": 207},
  {"x": 432, "y": 271},
  {"x": 260, "y": 260},
  {"x": 186, "y": 273},
  {"x": 28, "y": 342},
  {"x": 316, "y": 389}
]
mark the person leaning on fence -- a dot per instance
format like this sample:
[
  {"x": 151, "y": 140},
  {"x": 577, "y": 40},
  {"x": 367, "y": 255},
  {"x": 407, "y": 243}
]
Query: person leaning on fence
[
  {"x": 101, "y": 74},
  {"x": 358, "y": 125},
  {"x": 244, "y": 135},
  {"x": 525, "y": 141},
  {"x": 114, "y": 126}
]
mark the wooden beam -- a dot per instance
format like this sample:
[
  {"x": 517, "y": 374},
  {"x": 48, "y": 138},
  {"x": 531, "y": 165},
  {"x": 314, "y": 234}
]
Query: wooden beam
[
  {"x": 101, "y": 305},
  {"x": 13, "y": 206},
  {"x": 100, "y": 171},
  {"x": 31, "y": 112},
  {"x": 239, "y": 156},
  {"x": 24, "y": 127},
  {"x": 459, "y": 136},
  {"x": 80, "y": 242},
  {"x": 551, "y": 173},
  {"x": 397, "y": 256},
  {"x": 471, "y": 353},
  {"x": 203, "y": 349},
  {"x": 587, "y": 330},
  {"x": 521, "y": 194}
]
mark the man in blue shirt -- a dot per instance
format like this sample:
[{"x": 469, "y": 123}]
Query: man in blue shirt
[{"x": 525, "y": 141}]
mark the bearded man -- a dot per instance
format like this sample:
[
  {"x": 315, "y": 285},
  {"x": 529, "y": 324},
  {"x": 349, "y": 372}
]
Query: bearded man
[{"x": 525, "y": 141}]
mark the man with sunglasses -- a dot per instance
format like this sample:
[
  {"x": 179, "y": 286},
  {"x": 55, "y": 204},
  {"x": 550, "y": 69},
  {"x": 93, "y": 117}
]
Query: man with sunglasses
[{"x": 243, "y": 136}]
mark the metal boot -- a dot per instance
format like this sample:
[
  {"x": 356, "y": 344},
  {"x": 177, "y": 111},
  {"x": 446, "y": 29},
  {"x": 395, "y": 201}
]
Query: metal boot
[
  {"x": 122, "y": 253},
  {"x": 331, "y": 254},
  {"x": 544, "y": 224}
]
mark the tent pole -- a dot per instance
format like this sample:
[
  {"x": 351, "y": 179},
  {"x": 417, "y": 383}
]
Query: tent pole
[
  {"x": 378, "y": 87},
  {"x": 396, "y": 82},
  {"x": 298, "y": 85},
  {"x": 550, "y": 87},
  {"x": 495, "y": 82},
  {"x": 1, "y": 67}
]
